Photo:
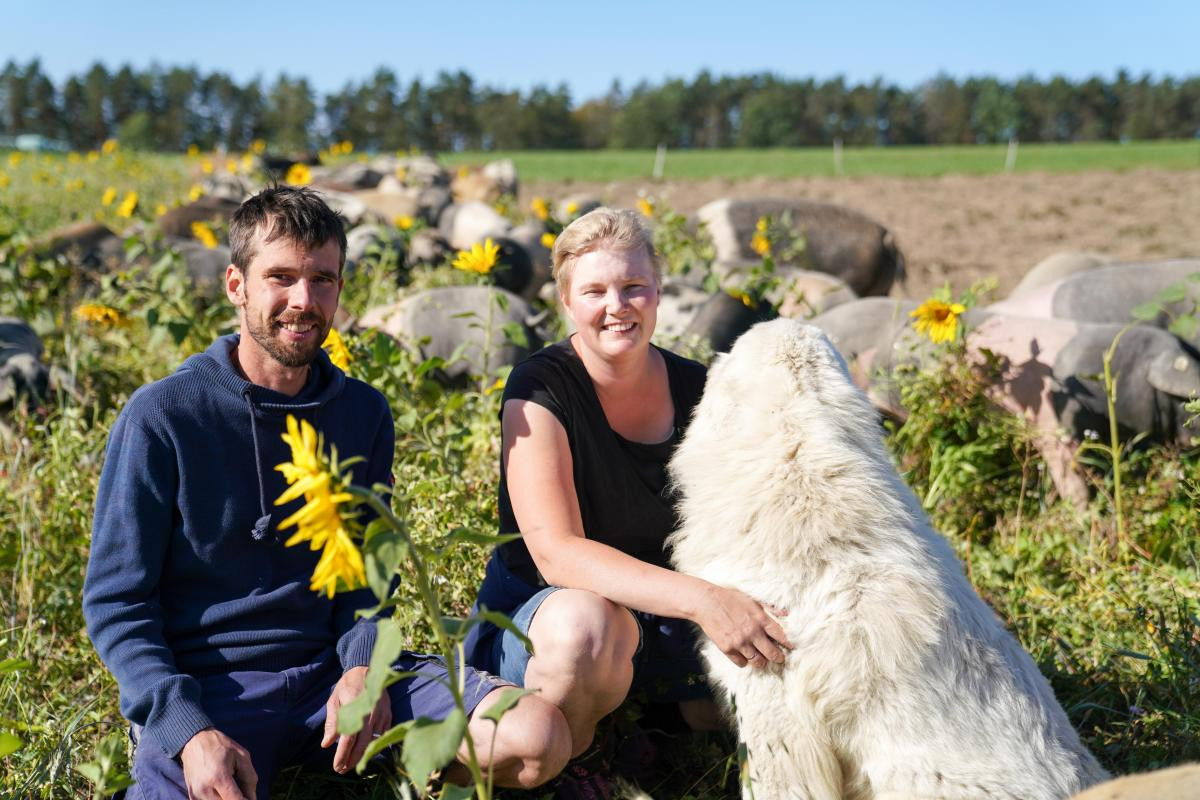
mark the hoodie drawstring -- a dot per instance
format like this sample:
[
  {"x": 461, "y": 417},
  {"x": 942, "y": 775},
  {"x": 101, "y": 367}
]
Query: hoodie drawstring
[{"x": 259, "y": 531}]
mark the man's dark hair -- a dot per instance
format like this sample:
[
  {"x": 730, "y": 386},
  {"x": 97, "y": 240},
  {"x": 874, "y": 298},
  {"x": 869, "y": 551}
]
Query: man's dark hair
[{"x": 297, "y": 214}]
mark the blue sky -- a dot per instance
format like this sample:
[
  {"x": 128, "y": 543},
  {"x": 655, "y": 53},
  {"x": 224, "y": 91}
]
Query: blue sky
[{"x": 515, "y": 45}]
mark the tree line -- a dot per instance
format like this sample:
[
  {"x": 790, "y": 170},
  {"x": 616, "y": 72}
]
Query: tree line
[{"x": 171, "y": 108}]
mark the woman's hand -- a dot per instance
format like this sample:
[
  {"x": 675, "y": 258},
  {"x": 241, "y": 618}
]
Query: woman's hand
[{"x": 741, "y": 627}]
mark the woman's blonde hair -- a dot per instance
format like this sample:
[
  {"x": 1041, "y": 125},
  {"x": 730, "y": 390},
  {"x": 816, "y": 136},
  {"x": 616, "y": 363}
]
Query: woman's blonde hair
[{"x": 603, "y": 228}]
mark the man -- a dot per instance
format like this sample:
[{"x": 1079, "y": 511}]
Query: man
[{"x": 230, "y": 667}]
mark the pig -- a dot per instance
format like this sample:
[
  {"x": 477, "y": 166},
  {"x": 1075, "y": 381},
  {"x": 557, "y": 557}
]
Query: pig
[
  {"x": 1058, "y": 266},
  {"x": 437, "y": 321},
  {"x": 1109, "y": 294},
  {"x": 1048, "y": 374},
  {"x": 838, "y": 240},
  {"x": 22, "y": 373},
  {"x": 722, "y": 318}
]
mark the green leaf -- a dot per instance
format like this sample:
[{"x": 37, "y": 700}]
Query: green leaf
[
  {"x": 178, "y": 330},
  {"x": 90, "y": 771},
  {"x": 1146, "y": 311},
  {"x": 1185, "y": 326},
  {"x": 390, "y": 737},
  {"x": 501, "y": 621},
  {"x": 432, "y": 745},
  {"x": 383, "y": 550},
  {"x": 509, "y": 698},
  {"x": 456, "y": 401},
  {"x": 468, "y": 536},
  {"x": 514, "y": 332},
  {"x": 389, "y": 641},
  {"x": 1176, "y": 293},
  {"x": 13, "y": 665},
  {"x": 433, "y": 362},
  {"x": 10, "y": 743},
  {"x": 501, "y": 300},
  {"x": 452, "y": 791}
]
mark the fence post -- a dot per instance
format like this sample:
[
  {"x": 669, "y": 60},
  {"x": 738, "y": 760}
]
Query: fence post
[
  {"x": 837, "y": 157},
  {"x": 1010, "y": 160},
  {"x": 660, "y": 161}
]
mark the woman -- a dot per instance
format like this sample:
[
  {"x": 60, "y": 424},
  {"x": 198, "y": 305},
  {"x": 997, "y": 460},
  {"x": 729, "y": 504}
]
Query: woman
[{"x": 588, "y": 425}]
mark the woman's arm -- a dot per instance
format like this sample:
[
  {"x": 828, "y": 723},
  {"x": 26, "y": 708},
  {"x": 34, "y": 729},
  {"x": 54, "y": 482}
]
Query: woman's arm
[{"x": 541, "y": 486}]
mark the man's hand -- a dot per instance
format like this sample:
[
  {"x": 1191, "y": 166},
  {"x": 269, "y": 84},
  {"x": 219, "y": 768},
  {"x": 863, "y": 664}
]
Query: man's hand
[
  {"x": 351, "y": 748},
  {"x": 216, "y": 767}
]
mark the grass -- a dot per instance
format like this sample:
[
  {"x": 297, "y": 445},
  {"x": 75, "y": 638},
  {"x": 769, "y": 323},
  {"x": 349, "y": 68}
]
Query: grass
[
  {"x": 1117, "y": 634},
  {"x": 910, "y": 162}
]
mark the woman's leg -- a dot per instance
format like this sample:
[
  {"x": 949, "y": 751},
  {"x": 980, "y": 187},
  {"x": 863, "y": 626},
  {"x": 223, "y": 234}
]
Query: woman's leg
[
  {"x": 583, "y": 658},
  {"x": 527, "y": 748}
]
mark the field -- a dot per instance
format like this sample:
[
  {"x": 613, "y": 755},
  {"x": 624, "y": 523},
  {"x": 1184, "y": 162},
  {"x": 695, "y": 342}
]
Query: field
[
  {"x": 911, "y": 162},
  {"x": 1111, "y": 619}
]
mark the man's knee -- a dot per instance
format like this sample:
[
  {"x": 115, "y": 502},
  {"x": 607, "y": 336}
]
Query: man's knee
[
  {"x": 577, "y": 627},
  {"x": 529, "y": 746}
]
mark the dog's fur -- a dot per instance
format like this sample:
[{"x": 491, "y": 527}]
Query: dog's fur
[{"x": 903, "y": 683}]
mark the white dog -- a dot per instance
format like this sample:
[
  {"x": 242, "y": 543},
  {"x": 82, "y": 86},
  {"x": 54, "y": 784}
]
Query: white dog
[{"x": 903, "y": 683}]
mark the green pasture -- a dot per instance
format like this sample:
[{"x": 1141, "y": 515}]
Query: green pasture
[{"x": 913, "y": 162}]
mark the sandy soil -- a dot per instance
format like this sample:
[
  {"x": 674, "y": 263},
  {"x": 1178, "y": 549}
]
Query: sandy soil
[{"x": 962, "y": 228}]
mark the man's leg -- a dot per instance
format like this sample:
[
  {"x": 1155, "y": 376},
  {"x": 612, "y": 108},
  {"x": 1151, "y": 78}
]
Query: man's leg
[
  {"x": 156, "y": 776},
  {"x": 245, "y": 707}
]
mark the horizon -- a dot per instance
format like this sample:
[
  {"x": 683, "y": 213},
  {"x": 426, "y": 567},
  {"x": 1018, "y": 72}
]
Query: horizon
[{"x": 630, "y": 44}]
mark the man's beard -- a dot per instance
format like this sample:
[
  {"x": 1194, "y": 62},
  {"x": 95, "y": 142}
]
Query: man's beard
[{"x": 288, "y": 354}]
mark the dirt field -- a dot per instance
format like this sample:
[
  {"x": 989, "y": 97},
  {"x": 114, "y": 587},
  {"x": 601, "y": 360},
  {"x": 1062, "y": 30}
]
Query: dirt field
[{"x": 962, "y": 228}]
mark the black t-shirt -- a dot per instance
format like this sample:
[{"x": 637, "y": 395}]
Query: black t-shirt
[{"x": 621, "y": 485}]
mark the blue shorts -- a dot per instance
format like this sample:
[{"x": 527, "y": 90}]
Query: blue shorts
[
  {"x": 280, "y": 717},
  {"x": 666, "y": 667}
]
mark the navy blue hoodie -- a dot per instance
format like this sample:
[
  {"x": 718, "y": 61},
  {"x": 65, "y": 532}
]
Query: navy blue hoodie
[{"x": 187, "y": 574}]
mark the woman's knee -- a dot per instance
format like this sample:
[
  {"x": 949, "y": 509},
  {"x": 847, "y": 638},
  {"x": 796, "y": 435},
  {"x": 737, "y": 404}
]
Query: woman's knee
[
  {"x": 532, "y": 741},
  {"x": 579, "y": 627}
]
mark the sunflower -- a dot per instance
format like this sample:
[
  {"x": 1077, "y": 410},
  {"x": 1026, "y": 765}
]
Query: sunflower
[
  {"x": 298, "y": 175},
  {"x": 100, "y": 314},
  {"x": 548, "y": 240},
  {"x": 937, "y": 319},
  {"x": 335, "y": 346},
  {"x": 646, "y": 207},
  {"x": 204, "y": 234},
  {"x": 541, "y": 209},
  {"x": 760, "y": 244},
  {"x": 319, "y": 522},
  {"x": 128, "y": 205},
  {"x": 480, "y": 258}
]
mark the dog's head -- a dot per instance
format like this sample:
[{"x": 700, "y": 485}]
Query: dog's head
[
  {"x": 782, "y": 394},
  {"x": 783, "y": 446},
  {"x": 778, "y": 371}
]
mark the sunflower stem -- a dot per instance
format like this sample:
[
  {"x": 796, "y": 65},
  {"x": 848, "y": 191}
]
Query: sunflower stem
[{"x": 434, "y": 614}]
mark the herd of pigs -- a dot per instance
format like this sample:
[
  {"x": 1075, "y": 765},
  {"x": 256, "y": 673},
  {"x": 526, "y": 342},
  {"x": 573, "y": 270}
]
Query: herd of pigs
[{"x": 1048, "y": 337}]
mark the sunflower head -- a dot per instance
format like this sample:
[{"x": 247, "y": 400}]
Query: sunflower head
[
  {"x": 480, "y": 258},
  {"x": 326, "y": 520},
  {"x": 335, "y": 346},
  {"x": 937, "y": 319}
]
